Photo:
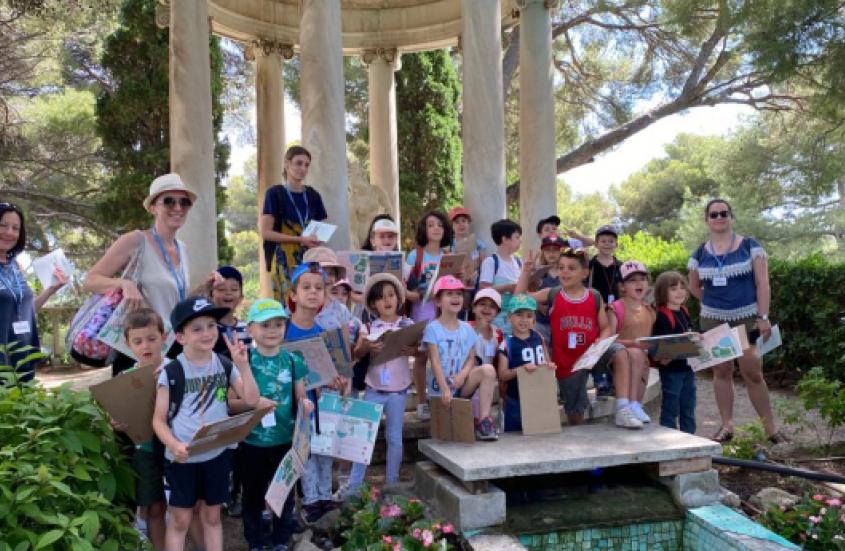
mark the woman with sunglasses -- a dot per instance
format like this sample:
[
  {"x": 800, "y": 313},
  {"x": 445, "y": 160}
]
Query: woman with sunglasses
[
  {"x": 163, "y": 264},
  {"x": 729, "y": 274},
  {"x": 18, "y": 303}
]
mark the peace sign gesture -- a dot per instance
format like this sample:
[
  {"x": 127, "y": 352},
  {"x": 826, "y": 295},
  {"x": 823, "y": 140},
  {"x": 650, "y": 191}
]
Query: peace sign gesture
[
  {"x": 237, "y": 349},
  {"x": 530, "y": 260}
]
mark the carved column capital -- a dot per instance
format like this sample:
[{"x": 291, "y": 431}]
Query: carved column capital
[
  {"x": 522, "y": 4},
  {"x": 388, "y": 55},
  {"x": 162, "y": 15},
  {"x": 267, "y": 47}
]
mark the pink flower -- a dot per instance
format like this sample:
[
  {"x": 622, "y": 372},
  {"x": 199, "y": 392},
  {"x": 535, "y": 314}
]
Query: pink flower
[
  {"x": 397, "y": 547},
  {"x": 435, "y": 526},
  {"x": 387, "y": 539},
  {"x": 427, "y": 537},
  {"x": 448, "y": 528},
  {"x": 375, "y": 494},
  {"x": 818, "y": 497},
  {"x": 815, "y": 520},
  {"x": 417, "y": 533},
  {"x": 390, "y": 511},
  {"x": 834, "y": 502}
]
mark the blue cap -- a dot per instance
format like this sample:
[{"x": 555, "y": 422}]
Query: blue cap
[{"x": 308, "y": 267}]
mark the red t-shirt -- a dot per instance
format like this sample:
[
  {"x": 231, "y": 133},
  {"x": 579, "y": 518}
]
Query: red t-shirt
[{"x": 572, "y": 317}]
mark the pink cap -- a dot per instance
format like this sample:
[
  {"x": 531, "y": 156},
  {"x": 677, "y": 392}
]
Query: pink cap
[
  {"x": 448, "y": 283},
  {"x": 343, "y": 281},
  {"x": 632, "y": 267},
  {"x": 490, "y": 293}
]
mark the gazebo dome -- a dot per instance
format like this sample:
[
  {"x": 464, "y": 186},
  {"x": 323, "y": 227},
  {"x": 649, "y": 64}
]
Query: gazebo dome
[{"x": 407, "y": 25}]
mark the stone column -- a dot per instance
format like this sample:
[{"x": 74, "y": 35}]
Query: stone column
[
  {"x": 270, "y": 123},
  {"x": 537, "y": 173},
  {"x": 191, "y": 135},
  {"x": 384, "y": 155},
  {"x": 484, "y": 115},
  {"x": 323, "y": 110}
]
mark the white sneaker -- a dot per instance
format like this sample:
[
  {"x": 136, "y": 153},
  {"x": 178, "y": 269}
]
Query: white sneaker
[
  {"x": 640, "y": 413},
  {"x": 625, "y": 418},
  {"x": 423, "y": 412}
]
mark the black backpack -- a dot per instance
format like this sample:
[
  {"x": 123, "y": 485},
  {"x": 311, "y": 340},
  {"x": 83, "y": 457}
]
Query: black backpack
[{"x": 176, "y": 384}]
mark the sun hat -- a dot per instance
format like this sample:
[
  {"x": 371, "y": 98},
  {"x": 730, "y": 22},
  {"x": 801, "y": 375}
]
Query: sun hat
[
  {"x": 385, "y": 225},
  {"x": 344, "y": 282},
  {"x": 489, "y": 293},
  {"x": 553, "y": 241},
  {"x": 192, "y": 308},
  {"x": 265, "y": 309},
  {"x": 390, "y": 278},
  {"x": 448, "y": 283},
  {"x": 632, "y": 267},
  {"x": 325, "y": 257},
  {"x": 307, "y": 267},
  {"x": 167, "y": 182},
  {"x": 460, "y": 210},
  {"x": 521, "y": 302},
  {"x": 607, "y": 229}
]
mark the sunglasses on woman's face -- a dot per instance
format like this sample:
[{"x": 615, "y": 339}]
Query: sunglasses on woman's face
[
  {"x": 714, "y": 214},
  {"x": 171, "y": 202}
]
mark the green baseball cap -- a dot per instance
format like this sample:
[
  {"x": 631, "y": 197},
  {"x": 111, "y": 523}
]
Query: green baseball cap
[
  {"x": 265, "y": 309},
  {"x": 521, "y": 302}
]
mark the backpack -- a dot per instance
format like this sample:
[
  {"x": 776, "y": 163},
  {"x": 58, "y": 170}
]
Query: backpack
[
  {"x": 555, "y": 291},
  {"x": 496, "y": 264},
  {"x": 670, "y": 315},
  {"x": 360, "y": 368},
  {"x": 176, "y": 385}
]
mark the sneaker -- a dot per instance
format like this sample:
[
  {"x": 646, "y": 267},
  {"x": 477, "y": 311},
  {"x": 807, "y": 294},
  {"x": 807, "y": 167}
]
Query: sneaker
[
  {"x": 486, "y": 430},
  {"x": 312, "y": 512},
  {"x": 625, "y": 418},
  {"x": 639, "y": 413},
  {"x": 423, "y": 412},
  {"x": 342, "y": 492}
]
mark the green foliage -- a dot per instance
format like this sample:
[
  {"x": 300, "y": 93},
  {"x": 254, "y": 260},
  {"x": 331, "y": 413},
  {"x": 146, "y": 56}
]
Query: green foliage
[
  {"x": 397, "y": 523},
  {"x": 63, "y": 481},
  {"x": 583, "y": 212},
  {"x": 748, "y": 441},
  {"x": 816, "y": 523},
  {"x": 817, "y": 392},
  {"x": 427, "y": 95},
  {"x": 657, "y": 254}
]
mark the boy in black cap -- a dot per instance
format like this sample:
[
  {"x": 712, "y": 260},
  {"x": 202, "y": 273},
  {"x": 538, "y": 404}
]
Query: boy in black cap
[
  {"x": 606, "y": 279},
  {"x": 191, "y": 393},
  {"x": 229, "y": 293}
]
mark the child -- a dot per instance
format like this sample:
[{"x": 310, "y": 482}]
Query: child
[
  {"x": 550, "y": 249},
  {"x": 279, "y": 376},
  {"x": 677, "y": 379},
  {"x": 547, "y": 227},
  {"x": 386, "y": 383},
  {"x": 434, "y": 232},
  {"x": 525, "y": 348},
  {"x": 451, "y": 347},
  {"x": 144, "y": 333},
  {"x": 200, "y": 400},
  {"x": 604, "y": 267},
  {"x": 632, "y": 318},
  {"x": 383, "y": 235},
  {"x": 500, "y": 270},
  {"x": 229, "y": 294},
  {"x": 485, "y": 307},
  {"x": 334, "y": 313},
  {"x": 462, "y": 224},
  {"x": 577, "y": 319}
]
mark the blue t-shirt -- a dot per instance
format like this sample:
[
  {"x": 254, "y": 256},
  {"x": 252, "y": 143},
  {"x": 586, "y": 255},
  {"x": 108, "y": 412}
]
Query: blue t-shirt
[
  {"x": 520, "y": 352},
  {"x": 295, "y": 333},
  {"x": 454, "y": 348},
  {"x": 737, "y": 299}
]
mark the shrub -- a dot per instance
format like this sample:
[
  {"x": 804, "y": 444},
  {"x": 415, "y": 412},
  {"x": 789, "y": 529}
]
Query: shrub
[
  {"x": 818, "y": 392},
  {"x": 816, "y": 523},
  {"x": 748, "y": 442},
  {"x": 62, "y": 476}
]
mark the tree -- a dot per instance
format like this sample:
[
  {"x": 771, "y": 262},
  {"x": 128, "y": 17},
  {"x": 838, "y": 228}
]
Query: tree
[
  {"x": 584, "y": 213},
  {"x": 133, "y": 116},
  {"x": 427, "y": 95}
]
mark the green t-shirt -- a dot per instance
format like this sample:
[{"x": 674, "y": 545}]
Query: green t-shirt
[{"x": 274, "y": 376}]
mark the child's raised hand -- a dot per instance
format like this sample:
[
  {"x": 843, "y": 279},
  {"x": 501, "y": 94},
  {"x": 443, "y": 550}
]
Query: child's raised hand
[
  {"x": 180, "y": 452},
  {"x": 529, "y": 261},
  {"x": 237, "y": 349},
  {"x": 307, "y": 406}
]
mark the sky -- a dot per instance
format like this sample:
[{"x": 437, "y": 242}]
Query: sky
[{"x": 609, "y": 168}]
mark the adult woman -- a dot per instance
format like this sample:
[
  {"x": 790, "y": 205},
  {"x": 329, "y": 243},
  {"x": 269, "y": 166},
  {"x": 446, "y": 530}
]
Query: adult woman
[
  {"x": 17, "y": 302},
  {"x": 163, "y": 264},
  {"x": 730, "y": 275},
  {"x": 288, "y": 208}
]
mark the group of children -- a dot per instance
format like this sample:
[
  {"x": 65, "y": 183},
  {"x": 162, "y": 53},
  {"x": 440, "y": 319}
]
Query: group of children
[{"x": 518, "y": 320}]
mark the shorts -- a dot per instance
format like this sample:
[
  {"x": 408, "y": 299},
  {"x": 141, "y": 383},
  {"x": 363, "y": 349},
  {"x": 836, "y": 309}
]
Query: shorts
[
  {"x": 573, "y": 392},
  {"x": 208, "y": 480},
  {"x": 750, "y": 324},
  {"x": 605, "y": 363},
  {"x": 149, "y": 488}
]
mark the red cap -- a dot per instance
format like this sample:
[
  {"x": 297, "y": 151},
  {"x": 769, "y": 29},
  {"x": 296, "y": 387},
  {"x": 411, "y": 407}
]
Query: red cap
[{"x": 459, "y": 211}]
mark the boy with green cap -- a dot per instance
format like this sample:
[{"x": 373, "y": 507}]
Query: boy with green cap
[
  {"x": 524, "y": 347},
  {"x": 280, "y": 379}
]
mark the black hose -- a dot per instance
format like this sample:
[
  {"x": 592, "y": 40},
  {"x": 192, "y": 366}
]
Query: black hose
[{"x": 780, "y": 469}]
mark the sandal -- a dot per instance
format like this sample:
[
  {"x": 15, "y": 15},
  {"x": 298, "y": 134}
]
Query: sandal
[
  {"x": 724, "y": 435},
  {"x": 779, "y": 438}
]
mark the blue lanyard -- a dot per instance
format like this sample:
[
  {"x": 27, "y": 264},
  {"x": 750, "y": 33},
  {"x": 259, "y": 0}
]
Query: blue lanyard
[
  {"x": 720, "y": 259},
  {"x": 178, "y": 275},
  {"x": 302, "y": 221},
  {"x": 15, "y": 286}
]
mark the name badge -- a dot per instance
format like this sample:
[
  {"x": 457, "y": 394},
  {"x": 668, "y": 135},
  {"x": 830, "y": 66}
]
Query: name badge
[
  {"x": 573, "y": 340},
  {"x": 268, "y": 420},
  {"x": 720, "y": 281},
  {"x": 384, "y": 377},
  {"x": 21, "y": 327}
]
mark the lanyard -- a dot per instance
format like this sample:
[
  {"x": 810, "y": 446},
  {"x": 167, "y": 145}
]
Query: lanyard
[
  {"x": 178, "y": 275},
  {"x": 303, "y": 221},
  {"x": 15, "y": 285},
  {"x": 720, "y": 259}
]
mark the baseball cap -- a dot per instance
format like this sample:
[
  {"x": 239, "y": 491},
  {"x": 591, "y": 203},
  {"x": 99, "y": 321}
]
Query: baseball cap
[
  {"x": 459, "y": 211},
  {"x": 521, "y": 302},
  {"x": 265, "y": 309},
  {"x": 344, "y": 282},
  {"x": 490, "y": 293},
  {"x": 385, "y": 225},
  {"x": 632, "y": 267},
  {"x": 230, "y": 272},
  {"x": 553, "y": 219},
  {"x": 448, "y": 283},
  {"x": 192, "y": 308},
  {"x": 308, "y": 267},
  {"x": 607, "y": 229},
  {"x": 553, "y": 241}
]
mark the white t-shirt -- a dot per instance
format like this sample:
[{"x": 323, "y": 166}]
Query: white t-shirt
[{"x": 508, "y": 271}]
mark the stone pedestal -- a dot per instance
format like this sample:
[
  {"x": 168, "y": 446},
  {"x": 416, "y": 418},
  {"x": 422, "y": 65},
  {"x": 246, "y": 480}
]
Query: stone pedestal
[
  {"x": 270, "y": 126},
  {"x": 483, "y": 115},
  {"x": 468, "y": 510},
  {"x": 323, "y": 112},
  {"x": 384, "y": 156},
  {"x": 537, "y": 173},
  {"x": 191, "y": 135}
]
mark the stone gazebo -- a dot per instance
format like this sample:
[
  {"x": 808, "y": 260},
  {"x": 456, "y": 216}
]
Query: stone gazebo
[{"x": 323, "y": 31}]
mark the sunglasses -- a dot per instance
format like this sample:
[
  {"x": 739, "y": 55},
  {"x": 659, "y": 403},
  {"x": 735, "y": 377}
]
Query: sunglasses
[
  {"x": 719, "y": 214},
  {"x": 573, "y": 251},
  {"x": 171, "y": 202}
]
